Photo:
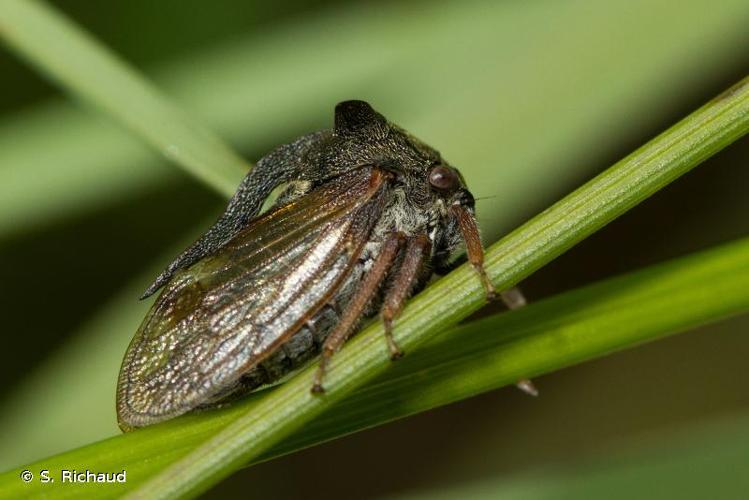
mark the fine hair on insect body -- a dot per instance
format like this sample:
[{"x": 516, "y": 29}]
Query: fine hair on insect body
[{"x": 367, "y": 215}]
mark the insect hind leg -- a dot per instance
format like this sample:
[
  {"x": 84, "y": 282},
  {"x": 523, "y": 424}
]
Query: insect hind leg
[{"x": 357, "y": 304}]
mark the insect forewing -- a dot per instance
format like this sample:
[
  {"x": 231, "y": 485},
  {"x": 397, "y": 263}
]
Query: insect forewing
[{"x": 222, "y": 316}]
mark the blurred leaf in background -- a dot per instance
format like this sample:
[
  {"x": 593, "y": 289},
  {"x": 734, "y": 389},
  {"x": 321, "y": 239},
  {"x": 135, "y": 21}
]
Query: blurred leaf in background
[
  {"x": 705, "y": 462},
  {"x": 528, "y": 99}
]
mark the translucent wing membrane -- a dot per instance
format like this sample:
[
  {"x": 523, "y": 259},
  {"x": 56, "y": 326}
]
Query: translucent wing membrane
[{"x": 219, "y": 318}]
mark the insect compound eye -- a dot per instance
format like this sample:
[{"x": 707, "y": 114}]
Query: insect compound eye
[{"x": 444, "y": 178}]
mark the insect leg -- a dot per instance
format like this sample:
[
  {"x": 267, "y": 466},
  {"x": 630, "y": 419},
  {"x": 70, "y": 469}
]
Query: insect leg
[
  {"x": 514, "y": 299},
  {"x": 354, "y": 309},
  {"x": 417, "y": 249},
  {"x": 527, "y": 386},
  {"x": 475, "y": 251}
]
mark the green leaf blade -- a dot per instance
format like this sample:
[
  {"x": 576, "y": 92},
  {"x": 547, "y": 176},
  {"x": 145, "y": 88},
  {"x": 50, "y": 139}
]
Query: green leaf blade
[
  {"x": 464, "y": 361},
  {"x": 98, "y": 77},
  {"x": 451, "y": 299}
]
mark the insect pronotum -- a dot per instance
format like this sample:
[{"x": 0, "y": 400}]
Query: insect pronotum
[{"x": 368, "y": 213}]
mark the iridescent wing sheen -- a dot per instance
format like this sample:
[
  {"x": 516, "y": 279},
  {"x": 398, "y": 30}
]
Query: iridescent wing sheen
[{"x": 219, "y": 318}]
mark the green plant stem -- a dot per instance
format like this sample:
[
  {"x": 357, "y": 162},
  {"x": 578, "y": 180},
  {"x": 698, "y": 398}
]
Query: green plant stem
[
  {"x": 548, "y": 335},
  {"x": 633, "y": 179},
  {"x": 463, "y": 361},
  {"x": 70, "y": 57},
  {"x": 98, "y": 77}
]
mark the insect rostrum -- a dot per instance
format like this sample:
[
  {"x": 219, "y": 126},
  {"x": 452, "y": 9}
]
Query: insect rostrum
[{"x": 367, "y": 215}]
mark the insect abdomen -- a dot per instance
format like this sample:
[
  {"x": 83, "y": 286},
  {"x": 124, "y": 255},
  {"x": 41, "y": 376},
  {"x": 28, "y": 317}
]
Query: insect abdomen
[
  {"x": 300, "y": 348},
  {"x": 307, "y": 342}
]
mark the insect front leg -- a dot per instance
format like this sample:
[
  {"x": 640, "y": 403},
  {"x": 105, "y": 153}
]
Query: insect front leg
[
  {"x": 513, "y": 298},
  {"x": 475, "y": 251},
  {"x": 355, "y": 308},
  {"x": 417, "y": 249}
]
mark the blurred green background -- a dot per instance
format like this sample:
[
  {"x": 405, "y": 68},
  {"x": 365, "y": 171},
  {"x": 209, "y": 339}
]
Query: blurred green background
[{"x": 528, "y": 99}]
